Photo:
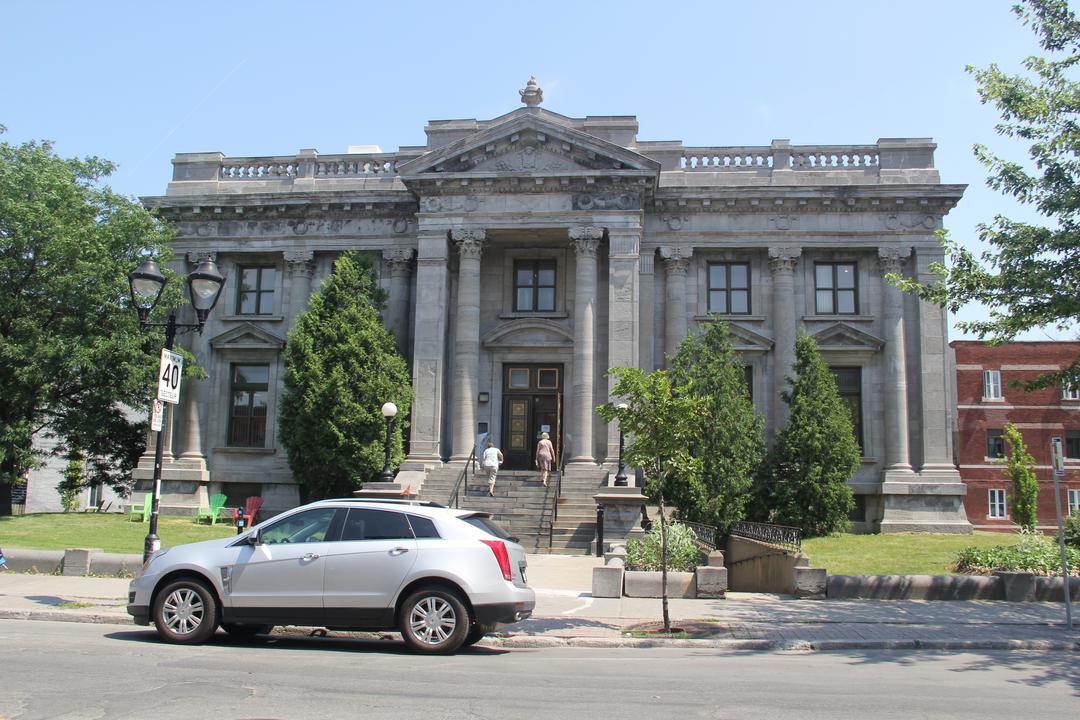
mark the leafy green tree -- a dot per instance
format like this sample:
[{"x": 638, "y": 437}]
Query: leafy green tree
[
  {"x": 70, "y": 347},
  {"x": 815, "y": 453},
  {"x": 661, "y": 418},
  {"x": 1019, "y": 468},
  {"x": 341, "y": 365},
  {"x": 1030, "y": 273},
  {"x": 730, "y": 435}
]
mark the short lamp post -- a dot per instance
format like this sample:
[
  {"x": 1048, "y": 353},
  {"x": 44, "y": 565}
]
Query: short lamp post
[
  {"x": 620, "y": 477},
  {"x": 389, "y": 410},
  {"x": 147, "y": 283}
]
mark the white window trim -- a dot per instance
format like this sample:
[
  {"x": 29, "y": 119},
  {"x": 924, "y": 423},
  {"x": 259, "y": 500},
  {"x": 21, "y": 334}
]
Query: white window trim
[
  {"x": 991, "y": 505},
  {"x": 1070, "y": 393},
  {"x": 992, "y": 385},
  {"x": 1073, "y": 501}
]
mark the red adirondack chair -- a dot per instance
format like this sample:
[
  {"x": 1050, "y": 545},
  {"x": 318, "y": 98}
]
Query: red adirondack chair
[{"x": 252, "y": 505}]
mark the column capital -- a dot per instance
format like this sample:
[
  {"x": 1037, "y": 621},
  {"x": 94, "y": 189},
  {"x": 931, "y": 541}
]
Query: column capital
[
  {"x": 586, "y": 238},
  {"x": 470, "y": 241},
  {"x": 676, "y": 258},
  {"x": 783, "y": 258},
  {"x": 300, "y": 261},
  {"x": 891, "y": 259},
  {"x": 196, "y": 257},
  {"x": 398, "y": 258}
]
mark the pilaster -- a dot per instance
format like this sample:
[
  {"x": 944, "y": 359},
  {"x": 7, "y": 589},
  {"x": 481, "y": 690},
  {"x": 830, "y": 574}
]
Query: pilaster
[
  {"x": 399, "y": 262},
  {"x": 585, "y": 241},
  {"x": 624, "y": 258},
  {"x": 897, "y": 451},
  {"x": 647, "y": 310},
  {"x": 676, "y": 263},
  {"x": 429, "y": 347}
]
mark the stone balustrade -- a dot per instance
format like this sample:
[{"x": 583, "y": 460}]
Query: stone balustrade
[
  {"x": 264, "y": 168},
  {"x": 808, "y": 157},
  {"x": 308, "y": 164},
  {"x": 719, "y": 159}
]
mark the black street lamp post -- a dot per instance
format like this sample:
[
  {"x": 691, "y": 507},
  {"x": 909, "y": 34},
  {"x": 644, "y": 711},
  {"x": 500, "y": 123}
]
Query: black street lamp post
[
  {"x": 389, "y": 410},
  {"x": 620, "y": 477},
  {"x": 147, "y": 283}
]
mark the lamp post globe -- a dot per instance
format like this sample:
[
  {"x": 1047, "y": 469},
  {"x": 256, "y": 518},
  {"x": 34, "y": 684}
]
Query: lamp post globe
[
  {"x": 389, "y": 410},
  {"x": 620, "y": 477},
  {"x": 146, "y": 284}
]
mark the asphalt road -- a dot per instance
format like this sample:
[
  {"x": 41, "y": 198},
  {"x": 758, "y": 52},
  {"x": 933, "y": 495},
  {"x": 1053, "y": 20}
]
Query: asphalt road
[{"x": 75, "y": 671}]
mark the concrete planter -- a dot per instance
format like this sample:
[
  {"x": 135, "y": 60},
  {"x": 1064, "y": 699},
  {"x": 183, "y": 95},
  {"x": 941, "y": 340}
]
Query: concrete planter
[{"x": 648, "y": 583}]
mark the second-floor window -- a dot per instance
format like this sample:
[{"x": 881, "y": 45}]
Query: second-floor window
[
  {"x": 729, "y": 288},
  {"x": 1072, "y": 444},
  {"x": 836, "y": 289},
  {"x": 992, "y": 385},
  {"x": 256, "y": 293},
  {"x": 247, "y": 416},
  {"x": 995, "y": 444},
  {"x": 1069, "y": 392},
  {"x": 534, "y": 286}
]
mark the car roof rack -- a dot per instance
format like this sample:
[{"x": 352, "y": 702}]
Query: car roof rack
[{"x": 389, "y": 501}]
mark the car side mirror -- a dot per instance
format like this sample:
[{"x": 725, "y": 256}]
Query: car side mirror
[{"x": 255, "y": 538}]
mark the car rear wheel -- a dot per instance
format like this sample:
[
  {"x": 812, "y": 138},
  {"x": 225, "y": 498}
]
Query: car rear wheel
[
  {"x": 434, "y": 620},
  {"x": 185, "y": 612},
  {"x": 242, "y": 631}
]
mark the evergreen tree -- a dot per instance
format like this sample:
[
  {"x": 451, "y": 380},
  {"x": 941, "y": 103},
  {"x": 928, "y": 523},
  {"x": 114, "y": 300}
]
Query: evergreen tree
[
  {"x": 1019, "y": 468},
  {"x": 729, "y": 436},
  {"x": 816, "y": 452},
  {"x": 341, "y": 365}
]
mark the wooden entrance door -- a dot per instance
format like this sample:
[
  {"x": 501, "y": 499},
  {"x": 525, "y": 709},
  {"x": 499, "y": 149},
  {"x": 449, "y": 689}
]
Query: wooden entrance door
[{"x": 532, "y": 404}]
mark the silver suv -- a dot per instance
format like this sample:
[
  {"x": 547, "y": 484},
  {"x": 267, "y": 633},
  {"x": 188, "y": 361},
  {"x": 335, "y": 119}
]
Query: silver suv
[{"x": 443, "y": 577}]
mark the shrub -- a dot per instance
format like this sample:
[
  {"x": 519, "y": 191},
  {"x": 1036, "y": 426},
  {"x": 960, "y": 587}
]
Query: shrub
[
  {"x": 1035, "y": 553},
  {"x": 1072, "y": 530},
  {"x": 683, "y": 554}
]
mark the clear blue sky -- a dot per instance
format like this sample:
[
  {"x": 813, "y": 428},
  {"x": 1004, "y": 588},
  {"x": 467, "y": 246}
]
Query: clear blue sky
[{"x": 137, "y": 82}]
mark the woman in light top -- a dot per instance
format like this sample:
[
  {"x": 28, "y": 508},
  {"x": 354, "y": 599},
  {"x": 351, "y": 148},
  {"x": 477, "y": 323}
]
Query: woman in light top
[
  {"x": 490, "y": 462},
  {"x": 545, "y": 456}
]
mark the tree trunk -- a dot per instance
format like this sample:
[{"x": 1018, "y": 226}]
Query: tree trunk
[{"x": 6, "y": 470}]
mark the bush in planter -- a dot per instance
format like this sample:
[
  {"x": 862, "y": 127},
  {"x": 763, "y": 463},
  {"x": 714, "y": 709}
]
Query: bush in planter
[
  {"x": 683, "y": 554},
  {"x": 1072, "y": 530},
  {"x": 1035, "y": 553}
]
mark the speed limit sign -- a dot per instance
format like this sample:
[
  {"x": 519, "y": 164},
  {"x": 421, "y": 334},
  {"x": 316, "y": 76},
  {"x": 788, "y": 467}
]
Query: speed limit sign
[{"x": 172, "y": 367}]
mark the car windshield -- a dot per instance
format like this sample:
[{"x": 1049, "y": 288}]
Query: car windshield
[{"x": 488, "y": 525}]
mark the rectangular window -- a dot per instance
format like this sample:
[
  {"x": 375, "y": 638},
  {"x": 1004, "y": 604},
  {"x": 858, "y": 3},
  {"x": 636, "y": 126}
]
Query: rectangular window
[
  {"x": 1074, "y": 501},
  {"x": 995, "y": 443},
  {"x": 849, "y": 385},
  {"x": 836, "y": 289},
  {"x": 534, "y": 286},
  {"x": 255, "y": 295},
  {"x": 729, "y": 288},
  {"x": 247, "y": 418},
  {"x": 1072, "y": 444},
  {"x": 997, "y": 504},
  {"x": 992, "y": 385},
  {"x": 1070, "y": 393}
]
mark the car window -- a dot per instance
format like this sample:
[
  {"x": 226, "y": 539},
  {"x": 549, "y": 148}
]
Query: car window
[
  {"x": 366, "y": 524},
  {"x": 308, "y": 526},
  {"x": 487, "y": 525},
  {"x": 423, "y": 527}
]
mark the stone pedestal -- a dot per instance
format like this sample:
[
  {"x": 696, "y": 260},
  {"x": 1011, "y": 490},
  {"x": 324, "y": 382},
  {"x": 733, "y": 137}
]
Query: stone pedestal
[
  {"x": 923, "y": 506},
  {"x": 394, "y": 490},
  {"x": 622, "y": 514}
]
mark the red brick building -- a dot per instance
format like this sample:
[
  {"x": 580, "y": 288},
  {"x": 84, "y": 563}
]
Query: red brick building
[{"x": 986, "y": 400}]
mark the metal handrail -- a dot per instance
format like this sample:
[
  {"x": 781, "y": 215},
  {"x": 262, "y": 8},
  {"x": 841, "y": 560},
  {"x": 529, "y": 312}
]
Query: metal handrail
[
  {"x": 704, "y": 534},
  {"x": 555, "y": 506},
  {"x": 462, "y": 479},
  {"x": 783, "y": 535}
]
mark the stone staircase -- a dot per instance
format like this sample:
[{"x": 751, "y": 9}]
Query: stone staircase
[{"x": 523, "y": 506}]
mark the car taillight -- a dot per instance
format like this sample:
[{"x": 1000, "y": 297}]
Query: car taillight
[{"x": 499, "y": 548}]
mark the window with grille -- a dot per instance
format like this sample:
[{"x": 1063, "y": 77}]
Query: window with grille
[
  {"x": 1072, "y": 444},
  {"x": 255, "y": 295},
  {"x": 992, "y": 385},
  {"x": 729, "y": 288},
  {"x": 247, "y": 418},
  {"x": 995, "y": 443},
  {"x": 849, "y": 385},
  {"x": 996, "y": 502},
  {"x": 534, "y": 286},
  {"x": 836, "y": 289}
]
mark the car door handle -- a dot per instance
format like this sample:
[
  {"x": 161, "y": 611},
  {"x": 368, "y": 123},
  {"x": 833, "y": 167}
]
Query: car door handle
[
  {"x": 399, "y": 551},
  {"x": 310, "y": 556}
]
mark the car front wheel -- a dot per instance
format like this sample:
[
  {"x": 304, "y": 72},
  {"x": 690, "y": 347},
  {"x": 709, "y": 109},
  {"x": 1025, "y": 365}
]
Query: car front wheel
[
  {"x": 434, "y": 621},
  {"x": 185, "y": 612}
]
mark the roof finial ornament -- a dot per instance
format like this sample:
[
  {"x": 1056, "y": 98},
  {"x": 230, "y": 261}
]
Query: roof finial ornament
[{"x": 532, "y": 95}]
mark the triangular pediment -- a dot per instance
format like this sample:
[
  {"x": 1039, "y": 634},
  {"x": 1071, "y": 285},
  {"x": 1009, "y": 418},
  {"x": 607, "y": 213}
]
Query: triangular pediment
[
  {"x": 529, "y": 144},
  {"x": 743, "y": 340},
  {"x": 247, "y": 336},
  {"x": 841, "y": 336},
  {"x": 526, "y": 334}
]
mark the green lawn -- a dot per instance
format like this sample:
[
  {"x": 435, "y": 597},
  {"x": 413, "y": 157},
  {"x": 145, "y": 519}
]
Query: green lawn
[
  {"x": 111, "y": 532},
  {"x": 899, "y": 554}
]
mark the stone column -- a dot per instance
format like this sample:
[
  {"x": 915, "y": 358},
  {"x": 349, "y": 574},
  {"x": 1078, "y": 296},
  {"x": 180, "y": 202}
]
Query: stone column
[
  {"x": 933, "y": 379},
  {"x": 897, "y": 454},
  {"x": 676, "y": 261},
  {"x": 429, "y": 349},
  {"x": 195, "y": 397},
  {"x": 585, "y": 241},
  {"x": 300, "y": 266},
  {"x": 624, "y": 256},
  {"x": 396, "y": 317},
  {"x": 470, "y": 243},
  {"x": 782, "y": 261},
  {"x": 647, "y": 312}
]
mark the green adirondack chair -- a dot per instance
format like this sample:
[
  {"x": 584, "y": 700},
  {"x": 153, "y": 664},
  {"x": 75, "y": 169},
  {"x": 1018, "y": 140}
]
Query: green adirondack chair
[
  {"x": 140, "y": 513},
  {"x": 217, "y": 502}
]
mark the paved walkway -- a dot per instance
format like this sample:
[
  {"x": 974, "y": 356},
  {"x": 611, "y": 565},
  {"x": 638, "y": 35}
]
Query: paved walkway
[{"x": 566, "y": 614}]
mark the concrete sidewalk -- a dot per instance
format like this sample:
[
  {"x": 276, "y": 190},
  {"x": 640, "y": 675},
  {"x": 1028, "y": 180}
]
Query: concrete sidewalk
[{"x": 567, "y": 615}]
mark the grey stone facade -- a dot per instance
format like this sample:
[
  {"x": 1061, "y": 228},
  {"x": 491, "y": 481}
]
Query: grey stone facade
[{"x": 567, "y": 245}]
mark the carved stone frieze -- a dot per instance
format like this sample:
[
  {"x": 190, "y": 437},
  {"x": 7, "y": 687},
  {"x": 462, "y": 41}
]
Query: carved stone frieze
[
  {"x": 674, "y": 222},
  {"x": 292, "y": 228},
  {"x": 585, "y": 239},
  {"x": 606, "y": 201},
  {"x": 449, "y": 203},
  {"x": 784, "y": 258},
  {"x": 783, "y": 222},
  {"x": 910, "y": 221}
]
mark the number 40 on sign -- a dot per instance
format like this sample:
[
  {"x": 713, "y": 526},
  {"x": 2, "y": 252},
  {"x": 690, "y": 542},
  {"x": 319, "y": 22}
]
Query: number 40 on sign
[{"x": 172, "y": 367}]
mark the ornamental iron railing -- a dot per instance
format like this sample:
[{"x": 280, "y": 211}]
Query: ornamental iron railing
[
  {"x": 782, "y": 535},
  {"x": 706, "y": 535}
]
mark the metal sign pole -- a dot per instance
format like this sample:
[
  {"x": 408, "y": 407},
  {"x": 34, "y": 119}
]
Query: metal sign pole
[{"x": 1058, "y": 458}]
